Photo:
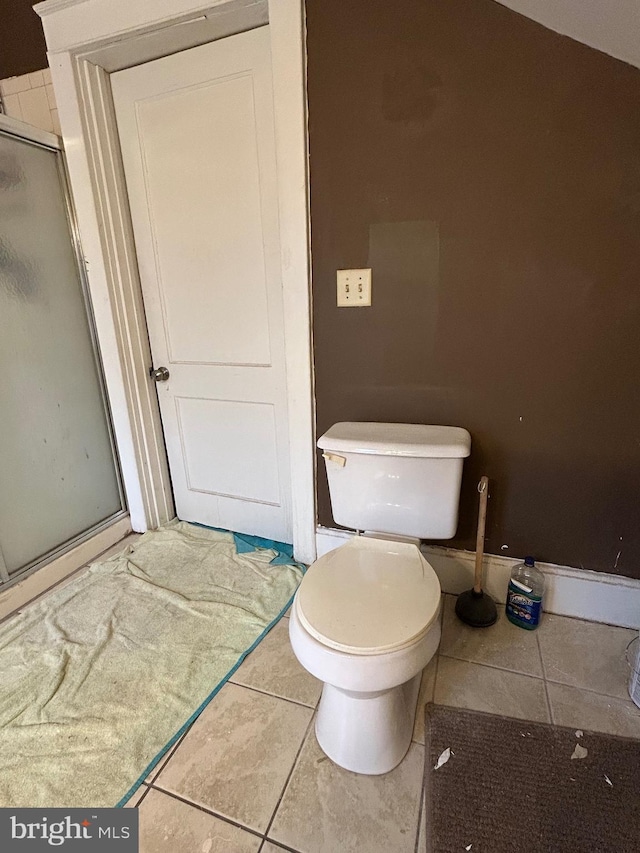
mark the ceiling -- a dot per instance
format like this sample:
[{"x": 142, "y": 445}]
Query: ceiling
[{"x": 612, "y": 26}]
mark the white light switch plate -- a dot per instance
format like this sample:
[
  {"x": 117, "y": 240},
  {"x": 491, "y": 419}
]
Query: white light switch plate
[{"x": 354, "y": 288}]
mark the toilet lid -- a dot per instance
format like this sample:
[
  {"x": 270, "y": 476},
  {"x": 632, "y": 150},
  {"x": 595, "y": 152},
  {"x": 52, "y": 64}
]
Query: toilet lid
[{"x": 369, "y": 596}]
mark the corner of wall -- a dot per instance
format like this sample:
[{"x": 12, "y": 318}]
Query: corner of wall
[{"x": 30, "y": 98}]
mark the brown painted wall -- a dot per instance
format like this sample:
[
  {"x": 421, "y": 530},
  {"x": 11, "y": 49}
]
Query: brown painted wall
[
  {"x": 22, "y": 45},
  {"x": 488, "y": 170}
]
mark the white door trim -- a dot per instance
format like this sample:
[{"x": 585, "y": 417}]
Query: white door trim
[{"x": 88, "y": 39}]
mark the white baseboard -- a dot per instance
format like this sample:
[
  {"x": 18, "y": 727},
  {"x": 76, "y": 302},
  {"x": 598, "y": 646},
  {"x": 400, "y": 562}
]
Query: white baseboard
[{"x": 596, "y": 596}]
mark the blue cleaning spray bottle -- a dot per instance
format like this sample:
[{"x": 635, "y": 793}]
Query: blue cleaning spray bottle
[{"x": 524, "y": 595}]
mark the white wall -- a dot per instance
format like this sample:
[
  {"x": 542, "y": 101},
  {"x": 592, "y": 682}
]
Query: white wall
[
  {"x": 30, "y": 98},
  {"x": 612, "y": 26}
]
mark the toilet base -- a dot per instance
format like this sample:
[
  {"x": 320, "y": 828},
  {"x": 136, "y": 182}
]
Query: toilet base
[{"x": 367, "y": 733}]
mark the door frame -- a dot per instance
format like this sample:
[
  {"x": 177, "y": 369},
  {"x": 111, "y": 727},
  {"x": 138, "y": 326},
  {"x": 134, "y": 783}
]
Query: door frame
[{"x": 87, "y": 40}]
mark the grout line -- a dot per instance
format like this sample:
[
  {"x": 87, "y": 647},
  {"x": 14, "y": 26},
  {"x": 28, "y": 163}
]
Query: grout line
[
  {"x": 543, "y": 677},
  {"x": 552, "y": 718},
  {"x": 207, "y": 811},
  {"x": 421, "y": 809},
  {"x": 425, "y": 758},
  {"x": 144, "y": 794},
  {"x": 544, "y": 681},
  {"x": 548, "y": 680},
  {"x": 287, "y": 780},
  {"x": 595, "y": 692},
  {"x": 426, "y": 747},
  {"x": 589, "y": 621},
  {"x": 493, "y": 666},
  {"x": 277, "y": 844},
  {"x": 273, "y": 695},
  {"x": 161, "y": 765},
  {"x": 435, "y": 675},
  {"x": 146, "y": 791}
]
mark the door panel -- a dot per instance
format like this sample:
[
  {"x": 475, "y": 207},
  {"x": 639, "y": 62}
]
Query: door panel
[
  {"x": 187, "y": 169},
  {"x": 230, "y": 448},
  {"x": 196, "y": 132}
]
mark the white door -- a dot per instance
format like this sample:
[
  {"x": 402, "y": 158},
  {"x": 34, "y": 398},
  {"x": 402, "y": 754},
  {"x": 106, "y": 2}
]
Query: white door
[{"x": 196, "y": 132}]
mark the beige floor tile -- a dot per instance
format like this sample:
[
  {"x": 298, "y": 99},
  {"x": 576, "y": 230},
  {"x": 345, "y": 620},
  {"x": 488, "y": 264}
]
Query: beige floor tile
[
  {"x": 169, "y": 826},
  {"x": 274, "y": 668},
  {"x": 585, "y": 654},
  {"x": 270, "y": 847},
  {"x": 483, "y": 688},
  {"x": 238, "y": 754},
  {"x": 326, "y": 809},
  {"x": 503, "y": 645},
  {"x": 427, "y": 686},
  {"x": 571, "y": 706}
]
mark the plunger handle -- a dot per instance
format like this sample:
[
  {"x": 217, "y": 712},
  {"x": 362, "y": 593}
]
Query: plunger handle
[{"x": 483, "y": 488}]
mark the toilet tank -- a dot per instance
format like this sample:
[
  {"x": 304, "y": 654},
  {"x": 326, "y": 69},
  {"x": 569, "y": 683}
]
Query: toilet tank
[{"x": 396, "y": 478}]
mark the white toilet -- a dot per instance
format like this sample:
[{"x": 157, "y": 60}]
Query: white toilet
[{"x": 365, "y": 617}]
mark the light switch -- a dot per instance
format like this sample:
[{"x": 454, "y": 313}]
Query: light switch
[{"x": 354, "y": 288}]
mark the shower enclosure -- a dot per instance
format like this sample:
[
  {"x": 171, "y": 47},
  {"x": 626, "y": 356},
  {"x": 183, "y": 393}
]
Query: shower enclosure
[{"x": 59, "y": 476}]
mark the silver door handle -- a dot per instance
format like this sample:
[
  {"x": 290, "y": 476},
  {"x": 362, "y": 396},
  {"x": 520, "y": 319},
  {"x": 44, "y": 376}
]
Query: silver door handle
[{"x": 160, "y": 374}]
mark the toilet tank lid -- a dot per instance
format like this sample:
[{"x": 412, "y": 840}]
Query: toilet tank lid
[{"x": 417, "y": 440}]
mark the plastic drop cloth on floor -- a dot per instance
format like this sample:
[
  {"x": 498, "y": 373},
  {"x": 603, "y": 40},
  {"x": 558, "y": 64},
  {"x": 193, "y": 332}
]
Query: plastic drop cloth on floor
[{"x": 99, "y": 677}]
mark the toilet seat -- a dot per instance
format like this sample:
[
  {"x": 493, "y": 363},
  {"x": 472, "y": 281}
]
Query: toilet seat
[{"x": 369, "y": 596}]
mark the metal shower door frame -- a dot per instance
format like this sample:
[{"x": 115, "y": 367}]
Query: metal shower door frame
[{"x": 18, "y": 130}]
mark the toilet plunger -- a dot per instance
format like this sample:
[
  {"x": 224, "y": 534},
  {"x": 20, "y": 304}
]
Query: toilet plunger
[{"x": 476, "y": 607}]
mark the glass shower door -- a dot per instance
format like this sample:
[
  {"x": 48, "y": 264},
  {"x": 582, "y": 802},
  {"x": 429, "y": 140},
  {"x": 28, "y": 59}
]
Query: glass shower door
[{"x": 59, "y": 477}]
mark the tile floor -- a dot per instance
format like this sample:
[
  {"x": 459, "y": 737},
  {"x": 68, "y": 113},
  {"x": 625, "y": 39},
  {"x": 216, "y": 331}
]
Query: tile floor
[{"x": 249, "y": 775}]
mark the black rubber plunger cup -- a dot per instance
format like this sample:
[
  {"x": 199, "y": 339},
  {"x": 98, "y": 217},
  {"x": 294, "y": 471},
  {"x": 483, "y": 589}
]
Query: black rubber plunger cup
[{"x": 476, "y": 607}]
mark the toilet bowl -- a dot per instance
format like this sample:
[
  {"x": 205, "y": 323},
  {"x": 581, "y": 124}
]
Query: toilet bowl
[
  {"x": 365, "y": 621},
  {"x": 365, "y": 617}
]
